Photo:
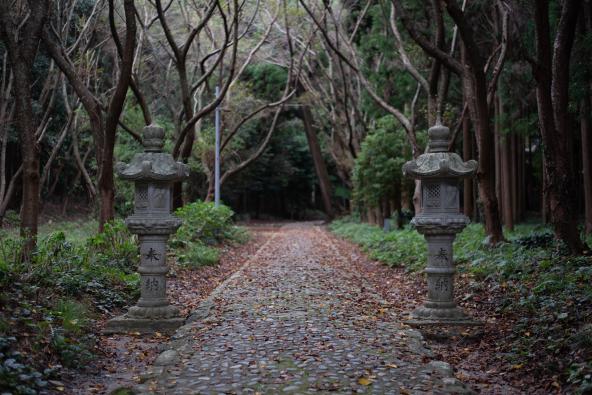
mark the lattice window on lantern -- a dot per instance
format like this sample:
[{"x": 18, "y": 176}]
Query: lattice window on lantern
[
  {"x": 142, "y": 197},
  {"x": 431, "y": 195}
]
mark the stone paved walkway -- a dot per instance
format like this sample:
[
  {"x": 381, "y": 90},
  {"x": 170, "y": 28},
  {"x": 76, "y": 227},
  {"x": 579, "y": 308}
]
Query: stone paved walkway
[{"x": 290, "y": 322}]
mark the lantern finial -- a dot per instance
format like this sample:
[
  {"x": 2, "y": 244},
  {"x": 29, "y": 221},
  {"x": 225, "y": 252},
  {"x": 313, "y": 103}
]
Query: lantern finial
[
  {"x": 439, "y": 136},
  {"x": 153, "y": 138}
]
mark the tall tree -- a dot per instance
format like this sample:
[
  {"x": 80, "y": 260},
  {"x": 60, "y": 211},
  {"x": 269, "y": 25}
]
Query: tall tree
[
  {"x": 551, "y": 72},
  {"x": 103, "y": 121},
  {"x": 21, "y": 24}
]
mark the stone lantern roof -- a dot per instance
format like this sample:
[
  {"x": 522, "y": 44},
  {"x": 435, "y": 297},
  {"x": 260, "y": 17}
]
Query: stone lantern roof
[
  {"x": 438, "y": 162},
  {"x": 153, "y": 164}
]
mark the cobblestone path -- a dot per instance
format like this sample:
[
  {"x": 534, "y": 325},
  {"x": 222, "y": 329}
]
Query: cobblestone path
[{"x": 291, "y": 322}]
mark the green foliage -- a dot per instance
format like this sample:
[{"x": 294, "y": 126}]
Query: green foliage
[
  {"x": 205, "y": 222},
  {"x": 74, "y": 315},
  {"x": 114, "y": 247},
  {"x": 204, "y": 226},
  {"x": 377, "y": 171},
  {"x": 197, "y": 254},
  {"x": 550, "y": 292},
  {"x": 52, "y": 297},
  {"x": 267, "y": 80},
  {"x": 11, "y": 218},
  {"x": 386, "y": 75},
  {"x": 384, "y": 247}
]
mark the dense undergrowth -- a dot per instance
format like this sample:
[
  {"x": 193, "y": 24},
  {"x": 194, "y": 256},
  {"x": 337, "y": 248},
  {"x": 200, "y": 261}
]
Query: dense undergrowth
[
  {"x": 49, "y": 307},
  {"x": 547, "y": 293}
]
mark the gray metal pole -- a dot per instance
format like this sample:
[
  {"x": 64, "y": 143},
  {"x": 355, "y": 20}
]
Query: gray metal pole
[{"x": 217, "y": 165}]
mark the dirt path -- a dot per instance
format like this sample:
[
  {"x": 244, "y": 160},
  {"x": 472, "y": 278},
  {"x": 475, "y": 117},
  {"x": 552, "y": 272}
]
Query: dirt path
[{"x": 291, "y": 321}]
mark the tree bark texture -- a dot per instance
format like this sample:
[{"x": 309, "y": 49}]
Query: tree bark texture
[
  {"x": 476, "y": 93},
  {"x": 319, "y": 162},
  {"x": 21, "y": 43},
  {"x": 467, "y": 155},
  {"x": 552, "y": 76},
  {"x": 586, "y": 134}
]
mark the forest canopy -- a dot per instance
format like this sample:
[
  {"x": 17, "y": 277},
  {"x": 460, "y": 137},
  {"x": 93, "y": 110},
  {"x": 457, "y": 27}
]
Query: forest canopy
[{"x": 320, "y": 102}]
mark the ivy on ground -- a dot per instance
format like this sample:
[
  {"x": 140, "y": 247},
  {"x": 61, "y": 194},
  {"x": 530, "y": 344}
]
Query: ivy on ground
[{"x": 546, "y": 292}]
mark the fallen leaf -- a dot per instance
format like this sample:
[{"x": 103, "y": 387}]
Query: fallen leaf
[{"x": 364, "y": 381}]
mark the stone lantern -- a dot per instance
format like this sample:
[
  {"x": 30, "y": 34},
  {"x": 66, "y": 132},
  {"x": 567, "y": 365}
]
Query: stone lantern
[
  {"x": 439, "y": 221},
  {"x": 153, "y": 173}
]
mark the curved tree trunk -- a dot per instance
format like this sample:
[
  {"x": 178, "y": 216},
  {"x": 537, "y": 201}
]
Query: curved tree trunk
[
  {"x": 552, "y": 77},
  {"x": 319, "y": 163}
]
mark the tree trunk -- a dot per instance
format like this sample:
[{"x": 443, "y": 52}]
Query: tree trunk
[
  {"x": 30, "y": 153},
  {"x": 187, "y": 146},
  {"x": 467, "y": 155},
  {"x": 417, "y": 197},
  {"x": 507, "y": 181},
  {"x": 396, "y": 205},
  {"x": 552, "y": 77},
  {"x": 106, "y": 183},
  {"x": 505, "y": 169},
  {"x": 586, "y": 133},
  {"x": 545, "y": 212},
  {"x": 21, "y": 39},
  {"x": 517, "y": 176},
  {"x": 486, "y": 170},
  {"x": 319, "y": 163},
  {"x": 405, "y": 198},
  {"x": 371, "y": 216},
  {"x": 498, "y": 153}
]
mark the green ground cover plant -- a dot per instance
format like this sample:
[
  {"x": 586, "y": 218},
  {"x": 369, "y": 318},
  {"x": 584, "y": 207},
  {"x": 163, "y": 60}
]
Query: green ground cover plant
[
  {"x": 545, "y": 290},
  {"x": 49, "y": 306}
]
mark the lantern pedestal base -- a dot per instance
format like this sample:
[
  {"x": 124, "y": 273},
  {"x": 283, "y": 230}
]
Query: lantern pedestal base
[
  {"x": 126, "y": 324},
  {"x": 424, "y": 316}
]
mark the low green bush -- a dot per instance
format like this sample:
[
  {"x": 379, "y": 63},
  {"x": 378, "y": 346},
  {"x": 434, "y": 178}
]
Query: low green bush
[{"x": 205, "y": 226}]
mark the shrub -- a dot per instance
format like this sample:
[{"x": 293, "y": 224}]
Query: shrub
[
  {"x": 198, "y": 254},
  {"x": 204, "y": 226},
  {"x": 115, "y": 247},
  {"x": 205, "y": 222},
  {"x": 377, "y": 171}
]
